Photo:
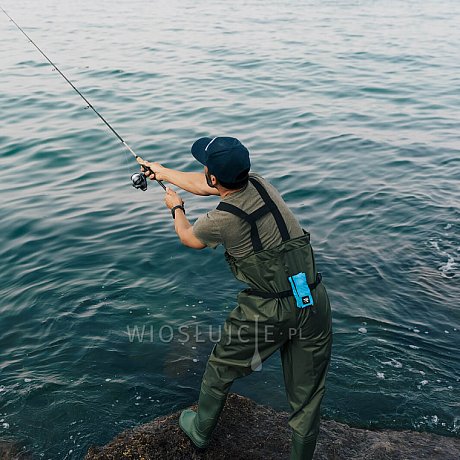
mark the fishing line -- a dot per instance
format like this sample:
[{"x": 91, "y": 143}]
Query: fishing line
[{"x": 139, "y": 180}]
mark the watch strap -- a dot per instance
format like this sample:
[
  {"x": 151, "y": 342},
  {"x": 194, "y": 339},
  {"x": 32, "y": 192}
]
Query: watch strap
[{"x": 173, "y": 210}]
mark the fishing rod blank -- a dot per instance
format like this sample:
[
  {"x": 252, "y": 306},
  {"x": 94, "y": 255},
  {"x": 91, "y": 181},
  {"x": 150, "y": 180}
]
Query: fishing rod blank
[{"x": 139, "y": 180}]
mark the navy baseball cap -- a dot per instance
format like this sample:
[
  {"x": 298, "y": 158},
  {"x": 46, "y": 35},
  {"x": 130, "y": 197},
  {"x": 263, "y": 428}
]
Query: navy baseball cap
[{"x": 226, "y": 157}]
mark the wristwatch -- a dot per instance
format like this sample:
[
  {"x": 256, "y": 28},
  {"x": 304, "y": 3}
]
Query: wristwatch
[{"x": 173, "y": 210}]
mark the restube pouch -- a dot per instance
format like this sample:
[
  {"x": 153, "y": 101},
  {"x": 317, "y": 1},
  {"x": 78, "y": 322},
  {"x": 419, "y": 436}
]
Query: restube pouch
[{"x": 301, "y": 290}]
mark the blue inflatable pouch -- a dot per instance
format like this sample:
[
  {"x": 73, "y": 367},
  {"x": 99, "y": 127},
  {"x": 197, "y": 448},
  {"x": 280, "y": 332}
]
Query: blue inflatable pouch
[{"x": 301, "y": 290}]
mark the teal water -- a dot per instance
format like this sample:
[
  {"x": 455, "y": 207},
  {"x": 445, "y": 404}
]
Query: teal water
[{"x": 350, "y": 108}]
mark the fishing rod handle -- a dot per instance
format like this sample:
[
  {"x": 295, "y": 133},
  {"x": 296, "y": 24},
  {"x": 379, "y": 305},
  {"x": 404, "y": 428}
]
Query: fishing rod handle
[{"x": 146, "y": 168}]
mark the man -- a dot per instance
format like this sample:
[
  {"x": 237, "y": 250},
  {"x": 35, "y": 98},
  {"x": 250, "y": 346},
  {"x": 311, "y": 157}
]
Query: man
[{"x": 286, "y": 306}]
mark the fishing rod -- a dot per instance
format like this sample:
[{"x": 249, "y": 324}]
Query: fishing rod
[{"x": 139, "y": 180}]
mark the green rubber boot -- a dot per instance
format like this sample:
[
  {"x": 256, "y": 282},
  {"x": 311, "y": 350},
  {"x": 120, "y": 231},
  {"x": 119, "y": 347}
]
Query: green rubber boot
[
  {"x": 198, "y": 426},
  {"x": 302, "y": 449}
]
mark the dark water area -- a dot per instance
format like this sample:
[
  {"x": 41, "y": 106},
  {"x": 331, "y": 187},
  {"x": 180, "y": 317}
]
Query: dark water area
[{"x": 351, "y": 109}]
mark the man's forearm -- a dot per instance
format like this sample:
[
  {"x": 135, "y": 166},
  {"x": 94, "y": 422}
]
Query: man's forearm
[
  {"x": 184, "y": 230},
  {"x": 181, "y": 223},
  {"x": 190, "y": 181}
]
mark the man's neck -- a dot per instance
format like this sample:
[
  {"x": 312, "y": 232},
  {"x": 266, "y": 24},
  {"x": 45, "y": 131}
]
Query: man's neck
[{"x": 223, "y": 192}]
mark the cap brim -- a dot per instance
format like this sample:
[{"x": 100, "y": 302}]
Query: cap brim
[{"x": 198, "y": 149}]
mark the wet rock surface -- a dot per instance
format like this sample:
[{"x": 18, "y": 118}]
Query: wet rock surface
[
  {"x": 10, "y": 450},
  {"x": 247, "y": 430}
]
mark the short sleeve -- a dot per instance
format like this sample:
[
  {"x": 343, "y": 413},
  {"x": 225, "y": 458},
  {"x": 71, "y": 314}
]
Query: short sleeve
[{"x": 206, "y": 229}]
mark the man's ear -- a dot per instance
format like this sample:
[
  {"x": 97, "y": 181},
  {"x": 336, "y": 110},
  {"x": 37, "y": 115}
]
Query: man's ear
[{"x": 213, "y": 180}]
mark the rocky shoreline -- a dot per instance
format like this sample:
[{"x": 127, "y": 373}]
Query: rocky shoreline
[{"x": 248, "y": 431}]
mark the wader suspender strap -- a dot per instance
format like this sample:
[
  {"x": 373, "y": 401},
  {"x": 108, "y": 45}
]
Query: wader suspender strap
[
  {"x": 252, "y": 218},
  {"x": 282, "y": 227},
  {"x": 249, "y": 218}
]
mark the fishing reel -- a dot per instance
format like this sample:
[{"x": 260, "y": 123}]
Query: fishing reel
[{"x": 139, "y": 181}]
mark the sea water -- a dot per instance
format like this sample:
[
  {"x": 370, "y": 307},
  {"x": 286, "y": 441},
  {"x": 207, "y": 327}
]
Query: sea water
[{"x": 350, "y": 108}]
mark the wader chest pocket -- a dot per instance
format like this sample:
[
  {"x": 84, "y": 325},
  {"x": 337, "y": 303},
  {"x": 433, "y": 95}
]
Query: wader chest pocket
[{"x": 301, "y": 290}]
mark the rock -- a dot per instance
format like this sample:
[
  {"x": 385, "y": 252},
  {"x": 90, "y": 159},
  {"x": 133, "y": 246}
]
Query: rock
[
  {"x": 10, "y": 450},
  {"x": 248, "y": 431}
]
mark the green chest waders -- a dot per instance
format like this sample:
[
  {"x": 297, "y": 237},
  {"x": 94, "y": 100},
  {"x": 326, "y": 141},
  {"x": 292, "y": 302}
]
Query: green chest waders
[{"x": 268, "y": 319}]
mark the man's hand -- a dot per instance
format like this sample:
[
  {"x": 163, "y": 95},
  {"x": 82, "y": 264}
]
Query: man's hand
[
  {"x": 157, "y": 169},
  {"x": 172, "y": 199}
]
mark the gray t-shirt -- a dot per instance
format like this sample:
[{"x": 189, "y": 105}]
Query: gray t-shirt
[{"x": 221, "y": 227}]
